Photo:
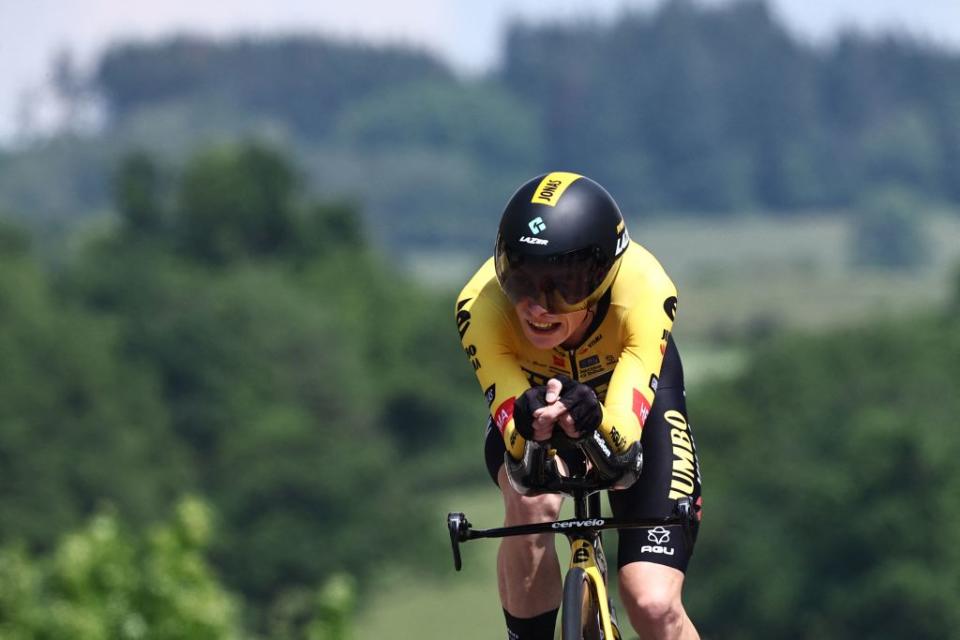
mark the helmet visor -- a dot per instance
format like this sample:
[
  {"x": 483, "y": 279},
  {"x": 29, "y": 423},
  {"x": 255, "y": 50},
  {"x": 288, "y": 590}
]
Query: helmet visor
[{"x": 561, "y": 284}]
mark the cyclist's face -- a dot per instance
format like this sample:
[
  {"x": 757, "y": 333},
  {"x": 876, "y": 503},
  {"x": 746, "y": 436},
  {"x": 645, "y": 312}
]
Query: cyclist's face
[{"x": 547, "y": 330}]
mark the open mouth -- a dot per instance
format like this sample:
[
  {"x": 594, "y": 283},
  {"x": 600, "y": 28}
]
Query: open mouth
[{"x": 543, "y": 327}]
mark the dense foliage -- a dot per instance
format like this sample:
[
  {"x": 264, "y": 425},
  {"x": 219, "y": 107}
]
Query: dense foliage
[
  {"x": 686, "y": 107},
  {"x": 231, "y": 337},
  {"x": 304, "y": 81},
  {"x": 105, "y": 581},
  {"x": 228, "y": 334},
  {"x": 722, "y": 108},
  {"x": 272, "y": 364},
  {"x": 831, "y": 488}
]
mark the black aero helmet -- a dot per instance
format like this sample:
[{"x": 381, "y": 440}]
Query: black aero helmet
[{"x": 560, "y": 242}]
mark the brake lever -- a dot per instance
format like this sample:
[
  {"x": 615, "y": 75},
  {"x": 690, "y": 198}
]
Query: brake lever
[
  {"x": 459, "y": 527},
  {"x": 687, "y": 513}
]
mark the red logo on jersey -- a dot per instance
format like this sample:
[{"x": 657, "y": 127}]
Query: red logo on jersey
[
  {"x": 640, "y": 406},
  {"x": 504, "y": 414},
  {"x": 558, "y": 361}
]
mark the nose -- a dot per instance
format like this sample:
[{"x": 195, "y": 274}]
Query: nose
[{"x": 535, "y": 308}]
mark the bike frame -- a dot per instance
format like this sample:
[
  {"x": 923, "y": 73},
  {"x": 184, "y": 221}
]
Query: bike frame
[{"x": 586, "y": 553}]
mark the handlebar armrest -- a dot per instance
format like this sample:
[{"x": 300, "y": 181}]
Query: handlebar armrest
[{"x": 532, "y": 472}]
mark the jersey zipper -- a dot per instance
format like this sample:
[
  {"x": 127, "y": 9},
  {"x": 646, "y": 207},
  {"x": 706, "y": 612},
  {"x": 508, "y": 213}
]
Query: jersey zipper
[{"x": 573, "y": 364}]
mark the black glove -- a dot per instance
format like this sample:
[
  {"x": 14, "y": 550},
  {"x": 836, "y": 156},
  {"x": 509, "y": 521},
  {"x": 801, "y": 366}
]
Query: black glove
[
  {"x": 579, "y": 399},
  {"x": 582, "y": 405},
  {"x": 531, "y": 400}
]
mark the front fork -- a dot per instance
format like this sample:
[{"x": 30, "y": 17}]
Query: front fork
[{"x": 586, "y": 552}]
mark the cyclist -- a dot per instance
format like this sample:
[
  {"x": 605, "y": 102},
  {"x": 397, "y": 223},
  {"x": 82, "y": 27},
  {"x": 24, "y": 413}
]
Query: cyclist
[{"x": 568, "y": 329}]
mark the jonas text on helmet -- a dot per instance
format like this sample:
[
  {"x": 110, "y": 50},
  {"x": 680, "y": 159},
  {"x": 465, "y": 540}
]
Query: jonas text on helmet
[
  {"x": 549, "y": 190},
  {"x": 552, "y": 186}
]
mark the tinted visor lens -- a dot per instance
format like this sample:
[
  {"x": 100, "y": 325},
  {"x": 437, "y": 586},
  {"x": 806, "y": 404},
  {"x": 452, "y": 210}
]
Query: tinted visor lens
[{"x": 560, "y": 284}]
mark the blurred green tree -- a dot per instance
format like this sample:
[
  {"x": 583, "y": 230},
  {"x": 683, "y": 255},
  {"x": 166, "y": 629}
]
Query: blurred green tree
[
  {"x": 138, "y": 194},
  {"x": 830, "y": 510},
  {"x": 888, "y": 230},
  {"x": 479, "y": 119},
  {"x": 235, "y": 201},
  {"x": 79, "y": 423},
  {"x": 14, "y": 240},
  {"x": 286, "y": 372},
  {"x": 105, "y": 581},
  {"x": 305, "y": 81},
  {"x": 903, "y": 149}
]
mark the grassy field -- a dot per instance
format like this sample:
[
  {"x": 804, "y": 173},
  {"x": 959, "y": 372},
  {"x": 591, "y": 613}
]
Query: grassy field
[
  {"x": 458, "y": 605},
  {"x": 750, "y": 275}
]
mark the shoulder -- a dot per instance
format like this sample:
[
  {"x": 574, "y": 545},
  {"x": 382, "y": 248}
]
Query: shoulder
[
  {"x": 642, "y": 280},
  {"x": 481, "y": 287},
  {"x": 481, "y": 299}
]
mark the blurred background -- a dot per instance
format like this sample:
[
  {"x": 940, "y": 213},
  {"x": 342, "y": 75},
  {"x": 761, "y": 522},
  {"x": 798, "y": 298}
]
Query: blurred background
[{"x": 233, "y": 402}]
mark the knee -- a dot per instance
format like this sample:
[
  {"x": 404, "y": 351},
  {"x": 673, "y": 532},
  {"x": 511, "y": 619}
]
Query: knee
[
  {"x": 521, "y": 509},
  {"x": 655, "y": 608},
  {"x": 525, "y": 510}
]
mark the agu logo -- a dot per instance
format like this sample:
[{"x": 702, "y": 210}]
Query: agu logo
[{"x": 660, "y": 537}]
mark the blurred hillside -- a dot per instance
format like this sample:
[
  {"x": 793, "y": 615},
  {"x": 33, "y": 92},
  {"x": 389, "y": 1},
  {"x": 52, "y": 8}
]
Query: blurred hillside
[
  {"x": 708, "y": 111},
  {"x": 232, "y": 400},
  {"x": 229, "y": 337}
]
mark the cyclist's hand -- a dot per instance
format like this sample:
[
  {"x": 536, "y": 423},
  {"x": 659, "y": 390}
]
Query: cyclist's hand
[
  {"x": 553, "y": 413},
  {"x": 528, "y": 404},
  {"x": 575, "y": 408}
]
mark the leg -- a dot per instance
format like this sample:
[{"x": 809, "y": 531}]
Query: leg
[
  {"x": 651, "y": 595},
  {"x": 528, "y": 570},
  {"x": 653, "y": 560}
]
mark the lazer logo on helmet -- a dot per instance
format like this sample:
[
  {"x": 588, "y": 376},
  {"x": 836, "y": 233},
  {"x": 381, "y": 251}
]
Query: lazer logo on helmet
[
  {"x": 536, "y": 226},
  {"x": 623, "y": 240},
  {"x": 537, "y": 241}
]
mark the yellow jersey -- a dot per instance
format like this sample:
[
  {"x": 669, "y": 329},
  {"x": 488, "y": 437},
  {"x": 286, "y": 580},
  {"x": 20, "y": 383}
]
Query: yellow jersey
[{"x": 620, "y": 357}]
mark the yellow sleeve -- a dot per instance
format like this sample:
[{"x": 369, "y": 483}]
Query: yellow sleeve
[
  {"x": 486, "y": 336},
  {"x": 634, "y": 381}
]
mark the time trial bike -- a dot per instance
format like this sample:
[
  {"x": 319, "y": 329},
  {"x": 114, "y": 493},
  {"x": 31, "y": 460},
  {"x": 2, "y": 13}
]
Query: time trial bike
[{"x": 587, "y": 612}]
